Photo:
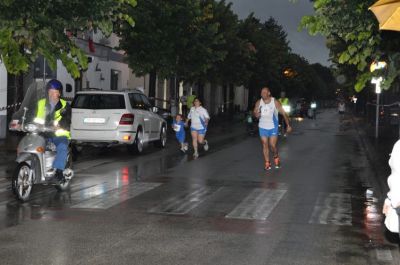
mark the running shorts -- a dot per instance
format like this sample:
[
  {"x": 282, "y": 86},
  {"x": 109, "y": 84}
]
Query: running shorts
[
  {"x": 201, "y": 131},
  {"x": 268, "y": 133}
]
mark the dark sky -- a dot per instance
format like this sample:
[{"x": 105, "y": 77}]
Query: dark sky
[{"x": 288, "y": 15}]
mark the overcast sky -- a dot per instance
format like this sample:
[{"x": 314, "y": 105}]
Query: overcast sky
[{"x": 288, "y": 15}]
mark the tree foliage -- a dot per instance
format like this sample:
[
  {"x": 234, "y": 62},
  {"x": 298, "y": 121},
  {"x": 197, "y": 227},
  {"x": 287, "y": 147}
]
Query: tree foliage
[
  {"x": 353, "y": 38},
  {"x": 28, "y": 29},
  {"x": 204, "y": 41},
  {"x": 172, "y": 38}
]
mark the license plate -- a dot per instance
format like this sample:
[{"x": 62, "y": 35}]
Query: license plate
[{"x": 94, "y": 120}]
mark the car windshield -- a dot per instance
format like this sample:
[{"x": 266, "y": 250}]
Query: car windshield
[{"x": 99, "y": 101}]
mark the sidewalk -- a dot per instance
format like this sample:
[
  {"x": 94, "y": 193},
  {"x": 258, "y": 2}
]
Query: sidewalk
[{"x": 378, "y": 150}]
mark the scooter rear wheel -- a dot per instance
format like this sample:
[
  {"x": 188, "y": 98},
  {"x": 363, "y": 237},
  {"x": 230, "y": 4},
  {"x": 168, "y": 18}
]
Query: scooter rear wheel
[{"x": 22, "y": 181}]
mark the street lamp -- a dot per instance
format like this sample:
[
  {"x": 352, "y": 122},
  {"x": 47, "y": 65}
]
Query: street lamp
[{"x": 377, "y": 81}]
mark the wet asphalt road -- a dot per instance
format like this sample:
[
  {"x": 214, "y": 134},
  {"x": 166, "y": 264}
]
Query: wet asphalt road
[{"x": 165, "y": 208}]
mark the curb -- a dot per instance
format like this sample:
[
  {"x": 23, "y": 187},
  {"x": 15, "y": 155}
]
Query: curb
[{"x": 374, "y": 160}]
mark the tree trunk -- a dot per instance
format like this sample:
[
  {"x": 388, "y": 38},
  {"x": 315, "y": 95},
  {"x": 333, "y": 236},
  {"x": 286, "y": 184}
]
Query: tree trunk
[
  {"x": 152, "y": 84},
  {"x": 200, "y": 90}
]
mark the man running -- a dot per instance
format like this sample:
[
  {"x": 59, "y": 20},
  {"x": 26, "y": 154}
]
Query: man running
[{"x": 266, "y": 110}]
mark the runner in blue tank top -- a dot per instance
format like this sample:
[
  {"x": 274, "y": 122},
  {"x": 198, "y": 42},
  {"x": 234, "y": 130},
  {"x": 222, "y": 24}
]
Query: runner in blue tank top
[{"x": 266, "y": 110}]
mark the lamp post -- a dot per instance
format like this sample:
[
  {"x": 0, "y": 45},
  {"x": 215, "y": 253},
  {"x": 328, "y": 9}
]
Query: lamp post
[{"x": 377, "y": 81}]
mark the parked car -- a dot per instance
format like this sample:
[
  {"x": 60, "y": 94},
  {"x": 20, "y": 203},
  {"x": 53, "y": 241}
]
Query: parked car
[{"x": 106, "y": 118}]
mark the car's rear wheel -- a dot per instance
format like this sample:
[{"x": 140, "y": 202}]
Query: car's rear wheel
[
  {"x": 163, "y": 138},
  {"x": 138, "y": 145}
]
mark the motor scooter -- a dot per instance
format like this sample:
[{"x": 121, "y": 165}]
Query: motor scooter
[
  {"x": 312, "y": 111},
  {"x": 35, "y": 154}
]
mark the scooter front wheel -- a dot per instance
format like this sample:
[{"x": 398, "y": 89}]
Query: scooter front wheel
[{"x": 22, "y": 181}]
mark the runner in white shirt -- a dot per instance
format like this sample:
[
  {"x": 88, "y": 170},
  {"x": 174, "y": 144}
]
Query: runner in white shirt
[
  {"x": 199, "y": 121},
  {"x": 266, "y": 109}
]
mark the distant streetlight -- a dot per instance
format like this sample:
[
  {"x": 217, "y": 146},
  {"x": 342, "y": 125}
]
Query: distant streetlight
[{"x": 377, "y": 81}]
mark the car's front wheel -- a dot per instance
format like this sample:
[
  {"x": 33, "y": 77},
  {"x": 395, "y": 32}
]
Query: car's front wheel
[{"x": 163, "y": 138}]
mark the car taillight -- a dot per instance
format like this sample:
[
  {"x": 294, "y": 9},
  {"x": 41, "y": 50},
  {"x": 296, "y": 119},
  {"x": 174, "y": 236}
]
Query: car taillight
[{"x": 127, "y": 119}]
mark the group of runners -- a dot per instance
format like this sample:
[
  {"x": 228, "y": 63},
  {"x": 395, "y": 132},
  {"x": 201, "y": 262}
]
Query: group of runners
[
  {"x": 266, "y": 110},
  {"x": 198, "y": 118}
]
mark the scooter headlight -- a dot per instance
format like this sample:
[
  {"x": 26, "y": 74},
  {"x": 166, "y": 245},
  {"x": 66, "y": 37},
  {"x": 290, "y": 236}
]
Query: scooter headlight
[
  {"x": 286, "y": 108},
  {"x": 31, "y": 127}
]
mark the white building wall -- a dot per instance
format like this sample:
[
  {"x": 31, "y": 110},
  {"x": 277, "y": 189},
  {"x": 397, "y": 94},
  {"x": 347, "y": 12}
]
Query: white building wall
[
  {"x": 139, "y": 82},
  {"x": 3, "y": 101},
  {"x": 65, "y": 78},
  {"x": 98, "y": 74}
]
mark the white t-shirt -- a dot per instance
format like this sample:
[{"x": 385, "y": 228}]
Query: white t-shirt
[
  {"x": 269, "y": 115},
  {"x": 198, "y": 117},
  {"x": 394, "y": 178}
]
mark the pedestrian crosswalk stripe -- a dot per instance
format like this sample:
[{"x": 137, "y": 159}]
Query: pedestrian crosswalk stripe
[
  {"x": 115, "y": 196},
  {"x": 332, "y": 208},
  {"x": 258, "y": 205},
  {"x": 384, "y": 255},
  {"x": 185, "y": 202}
]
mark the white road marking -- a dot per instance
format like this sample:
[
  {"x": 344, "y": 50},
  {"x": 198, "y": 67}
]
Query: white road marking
[
  {"x": 116, "y": 196},
  {"x": 332, "y": 208},
  {"x": 258, "y": 205},
  {"x": 185, "y": 202},
  {"x": 384, "y": 255}
]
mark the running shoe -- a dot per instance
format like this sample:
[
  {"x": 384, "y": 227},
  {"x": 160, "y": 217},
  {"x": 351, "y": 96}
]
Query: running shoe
[
  {"x": 183, "y": 150},
  {"x": 277, "y": 162},
  {"x": 205, "y": 145},
  {"x": 195, "y": 155},
  {"x": 267, "y": 165}
]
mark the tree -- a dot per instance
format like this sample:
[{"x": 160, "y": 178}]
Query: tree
[
  {"x": 353, "y": 38},
  {"x": 233, "y": 69},
  {"x": 271, "y": 49},
  {"x": 171, "y": 39},
  {"x": 28, "y": 30}
]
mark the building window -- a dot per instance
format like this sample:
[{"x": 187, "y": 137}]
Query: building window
[{"x": 68, "y": 88}]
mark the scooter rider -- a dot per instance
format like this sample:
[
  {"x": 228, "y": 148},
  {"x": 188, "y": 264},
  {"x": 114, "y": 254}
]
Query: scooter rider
[{"x": 56, "y": 112}]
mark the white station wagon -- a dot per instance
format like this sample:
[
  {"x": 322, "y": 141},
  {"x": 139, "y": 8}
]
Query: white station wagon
[{"x": 105, "y": 118}]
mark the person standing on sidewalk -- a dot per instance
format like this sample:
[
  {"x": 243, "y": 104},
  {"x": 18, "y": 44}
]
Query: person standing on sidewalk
[
  {"x": 199, "y": 121},
  {"x": 392, "y": 201},
  {"x": 266, "y": 110}
]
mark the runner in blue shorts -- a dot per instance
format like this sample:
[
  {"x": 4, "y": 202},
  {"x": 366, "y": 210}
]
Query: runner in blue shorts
[
  {"x": 266, "y": 110},
  {"x": 199, "y": 121}
]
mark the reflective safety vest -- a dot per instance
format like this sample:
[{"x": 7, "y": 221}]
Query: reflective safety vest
[
  {"x": 284, "y": 101},
  {"x": 41, "y": 117}
]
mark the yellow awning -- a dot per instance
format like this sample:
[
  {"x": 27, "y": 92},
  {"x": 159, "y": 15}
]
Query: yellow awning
[{"x": 388, "y": 14}]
